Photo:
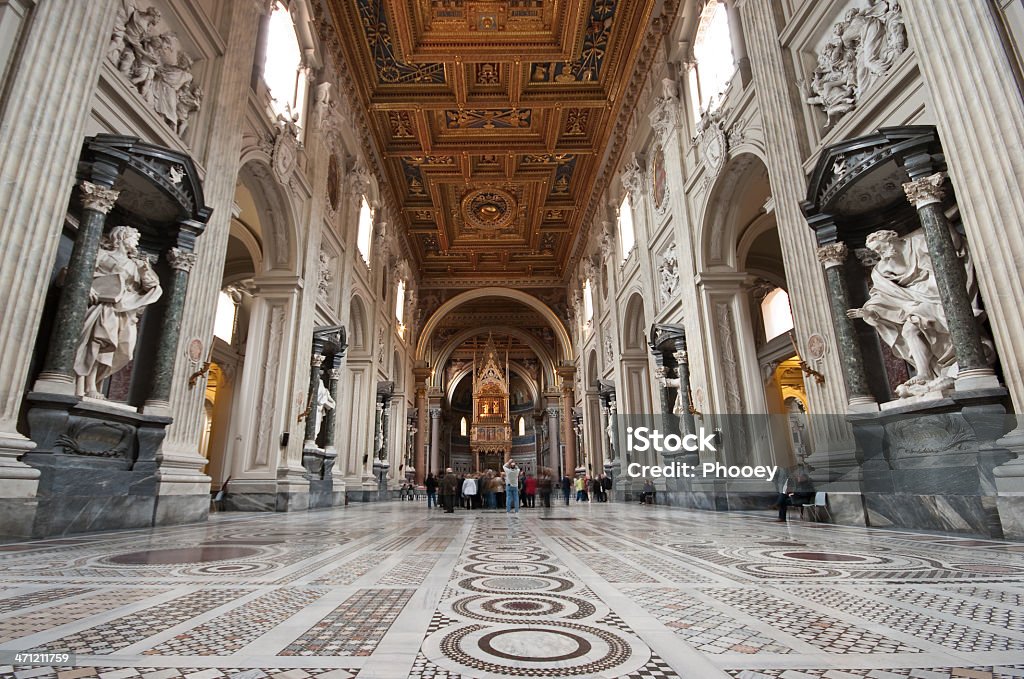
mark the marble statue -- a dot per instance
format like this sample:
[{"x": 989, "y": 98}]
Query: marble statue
[
  {"x": 123, "y": 285},
  {"x": 905, "y": 309},
  {"x": 324, "y": 402},
  {"x": 861, "y": 50}
]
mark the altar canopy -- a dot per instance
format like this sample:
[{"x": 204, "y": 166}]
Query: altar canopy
[{"x": 491, "y": 430}]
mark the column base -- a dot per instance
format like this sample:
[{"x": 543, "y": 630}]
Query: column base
[
  {"x": 55, "y": 383},
  {"x": 979, "y": 378},
  {"x": 19, "y": 484},
  {"x": 863, "y": 404}
]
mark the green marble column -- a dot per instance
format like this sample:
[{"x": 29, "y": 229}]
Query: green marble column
[
  {"x": 59, "y": 366},
  {"x": 832, "y": 257},
  {"x": 313, "y": 398},
  {"x": 333, "y": 375},
  {"x": 950, "y": 277},
  {"x": 167, "y": 346},
  {"x": 685, "y": 405}
]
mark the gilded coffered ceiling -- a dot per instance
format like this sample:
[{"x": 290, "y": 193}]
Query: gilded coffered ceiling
[{"x": 492, "y": 119}]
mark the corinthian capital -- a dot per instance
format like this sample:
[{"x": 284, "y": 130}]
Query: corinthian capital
[
  {"x": 833, "y": 254},
  {"x": 181, "y": 260},
  {"x": 98, "y": 198},
  {"x": 926, "y": 191}
]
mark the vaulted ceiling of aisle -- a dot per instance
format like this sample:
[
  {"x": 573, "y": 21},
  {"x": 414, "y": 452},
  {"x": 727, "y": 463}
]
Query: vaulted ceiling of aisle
[{"x": 492, "y": 118}]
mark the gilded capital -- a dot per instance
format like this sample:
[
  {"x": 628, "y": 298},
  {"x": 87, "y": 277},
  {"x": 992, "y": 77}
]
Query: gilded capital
[
  {"x": 926, "y": 191},
  {"x": 316, "y": 360},
  {"x": 98, "y": 198},
  {"x": 833, "y": 254},
  {"x": 181, "y": 260}
]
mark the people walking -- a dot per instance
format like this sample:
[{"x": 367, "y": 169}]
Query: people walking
[
  {"x": 530, "y": 491},
  {"x": 606, "y": 486},
  {"x": 545, "y": 484},
  {"x": 566, "y": 488}
]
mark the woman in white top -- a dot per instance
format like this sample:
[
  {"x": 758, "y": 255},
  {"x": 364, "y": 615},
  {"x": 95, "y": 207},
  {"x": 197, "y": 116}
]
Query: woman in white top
[{"x": 468, "y": 491}]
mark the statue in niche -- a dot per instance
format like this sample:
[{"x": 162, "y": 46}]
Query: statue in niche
[
  {"x": 123, "y": 285},
  {"x": 669, "y": 270},
  {"x": 832, "y": 84},
  {"x": 324, "y": 402},
  {"x": 905, "y": 309},
  {"x": 483, "y": 410}
]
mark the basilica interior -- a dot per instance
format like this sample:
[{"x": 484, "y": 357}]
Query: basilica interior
[{"x": 295, "y": 289}]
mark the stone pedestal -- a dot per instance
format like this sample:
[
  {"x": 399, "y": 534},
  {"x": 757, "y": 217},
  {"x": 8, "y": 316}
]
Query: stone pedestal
[
  {"x": 98, "y": 463},
  {"x": 929, "y": 466}
]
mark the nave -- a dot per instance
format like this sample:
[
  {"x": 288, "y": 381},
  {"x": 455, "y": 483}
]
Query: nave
[{"x": 590, "y": 590}]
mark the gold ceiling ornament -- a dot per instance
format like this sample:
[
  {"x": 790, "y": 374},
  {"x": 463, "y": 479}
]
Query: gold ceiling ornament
[{"x": 489, "y": 208}]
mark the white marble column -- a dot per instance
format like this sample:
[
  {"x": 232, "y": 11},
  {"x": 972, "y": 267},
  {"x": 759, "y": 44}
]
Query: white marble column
[
  {"x": 42, "y": 127},
  {"x": 435, "y": 441},
  {"x": 180, "y": 468},
  {"x": 808, "y": 294},
  {"x": 980, "y": 117}
]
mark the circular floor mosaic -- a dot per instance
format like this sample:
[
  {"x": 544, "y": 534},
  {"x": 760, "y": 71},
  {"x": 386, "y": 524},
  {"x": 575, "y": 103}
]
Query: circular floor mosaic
[
  {"x": 184, "y": 555},
  {"x": 510, "y": 568},
  {"x": 550, "y": 649},
  {"x": 527, "y": 606},
  {"x": 505, "y": 584}
]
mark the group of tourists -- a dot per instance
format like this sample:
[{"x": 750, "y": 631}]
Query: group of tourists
[{"x": 510, "y": 487}]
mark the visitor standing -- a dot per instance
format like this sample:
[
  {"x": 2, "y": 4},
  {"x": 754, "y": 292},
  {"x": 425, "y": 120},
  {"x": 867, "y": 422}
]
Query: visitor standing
[
  {"x": 530, "y": 490},
  {"x": 449, "y": 487},
  {"x": 469, "y": 492},
  {"x": 511, "y": 487},
  {"x": 566, "y": 488},
  {"x": 431, "y": 485}
]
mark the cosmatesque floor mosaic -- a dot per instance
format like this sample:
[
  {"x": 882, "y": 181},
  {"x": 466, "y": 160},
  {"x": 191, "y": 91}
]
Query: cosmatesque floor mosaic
[{"x": 394, "y": 590}]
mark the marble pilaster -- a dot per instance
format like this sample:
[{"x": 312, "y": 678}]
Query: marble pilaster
[
  {"x": 809, "y": 297},
  {"x": 53, "y": 82}
]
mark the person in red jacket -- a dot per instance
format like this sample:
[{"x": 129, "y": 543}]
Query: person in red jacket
[{"x": 530, "y": 490}]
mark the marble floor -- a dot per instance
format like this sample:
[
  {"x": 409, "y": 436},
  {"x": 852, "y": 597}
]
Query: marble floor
[{"x": 604, "y": 590}]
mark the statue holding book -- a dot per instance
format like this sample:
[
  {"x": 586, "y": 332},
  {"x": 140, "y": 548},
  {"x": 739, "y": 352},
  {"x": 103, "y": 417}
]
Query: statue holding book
[{"x": 123, "y": 285}]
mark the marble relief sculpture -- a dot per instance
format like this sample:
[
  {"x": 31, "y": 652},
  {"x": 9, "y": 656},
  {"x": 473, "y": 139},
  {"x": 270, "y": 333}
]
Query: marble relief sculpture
[
  {"x": 668, "y": 271},
  {"x": 123, "y": 285},
  {"x": 905, "y": 309},
  {"x": 860, "y": 51},
  {"x": 155, "y": 64}
]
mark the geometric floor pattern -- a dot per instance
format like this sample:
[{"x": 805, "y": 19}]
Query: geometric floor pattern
[{"x": 394, "y": 590}]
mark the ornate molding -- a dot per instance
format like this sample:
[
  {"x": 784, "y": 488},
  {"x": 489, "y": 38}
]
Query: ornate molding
[{"x": 633, "y": 177}]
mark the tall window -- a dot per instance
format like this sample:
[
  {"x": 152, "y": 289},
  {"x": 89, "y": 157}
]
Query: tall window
[
  {"x": 588, "y": 302},
  {"x": 463, "y": 427},
  {"x": 283, "y": 71},
  {"x": 363, "y": 236},
  {"x": 400, "y": 305},
  {"x": 522, "y": 426},
  {"x": 627, "y": 237},
  {"x": 712, "y": 52},
  {"x": 778, "y": 318},
  {"x": 224, "y": 321}
]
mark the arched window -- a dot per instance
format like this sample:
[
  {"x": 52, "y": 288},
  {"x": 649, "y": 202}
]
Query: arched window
[
  {"x": 522, "y": 426},
  {"x": 778, "y": 318},
  {"x": 283, "y": 71},
  {"x": 224, "y": 321},
  {"x": 463, "y": 427},
  {"x": 627, "y": 237},
  {"x": 365, "y": 230},
  {"x": 712, "y": 51}
]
